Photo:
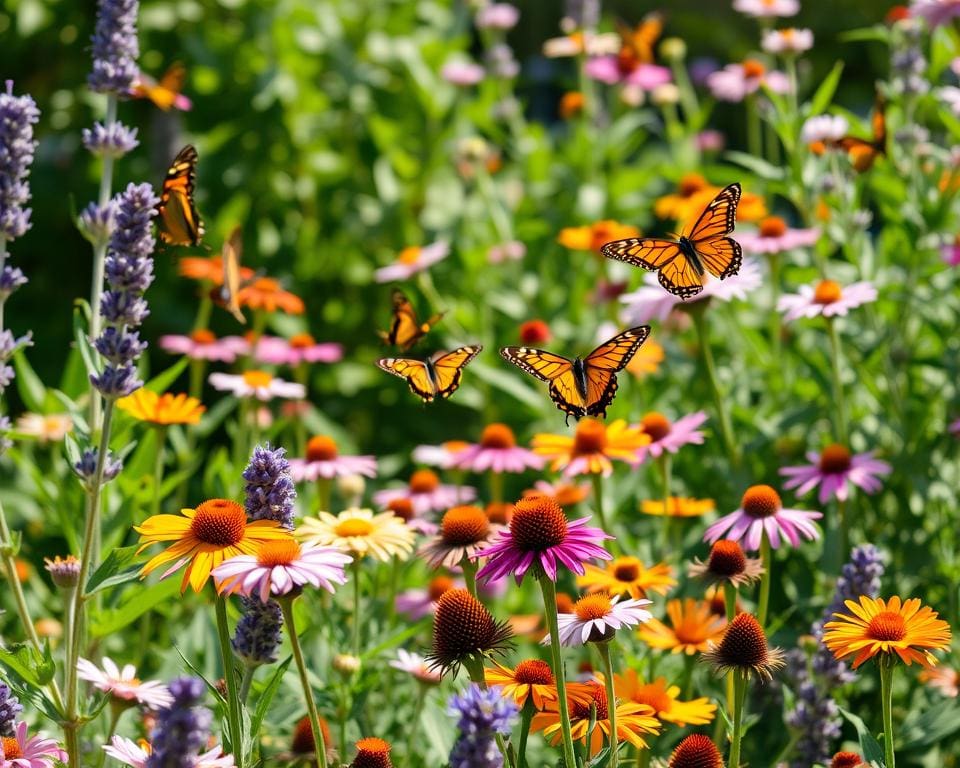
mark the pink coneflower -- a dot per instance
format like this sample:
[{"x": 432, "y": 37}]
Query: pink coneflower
[
  {"x": 541, "y": 537},
  {"x": 464, "y": 531},
  {"x": 201, "y": 344},
  {"x": 299, "y": 348},
  {"x": 403, "y": 508},
  {"x": 259, "y": 384},
  {"x": 462, "y": 73},
  {"x": 124, "y": 684},
  {"x": 826, "y": 298},
  {"x": 737, "y": 81},
  {"x": 670, "y": 437},
  {"x": 133, "y": 754},
  {"x": 607, "y": 70},
  {"x": 412, "y": 260},
  {"x": 442, "y": 455},
  {"x": 497, "y": 452},
  {"x": 417, "y": 603},
  {"x": 950, "y": 253},
  {"x": 710, "y": 140},
  {"x": 774, "y": 236},
  {"x": 761, "y": 510},
  {"x": 767, "y": 9},
  {"x": 836, "y": 471},
  {"x": 324, "y": 460},
  {"x": 825, "y": 129},
  {"x": 497, "y": 16},
  {"x": 954, "y": 427},
  {"x": 936, "y": 12},
  {"x": 944, "y": 679},
  {"x": 416, "y": 665},
  {"x": 597, "y": 617},
  {"x": 789, "y": 41},
  {"x": 280, "y": 567},
  {"x": 426, "y": 493},
  {"x": 33, "y": 752},
  {"x": 513, "y": 250}
]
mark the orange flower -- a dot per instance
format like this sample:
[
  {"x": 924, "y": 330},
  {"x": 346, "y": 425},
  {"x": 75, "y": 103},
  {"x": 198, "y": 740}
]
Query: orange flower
[
  {"x": 209, "y": 269},
  {"x": 627, "y": 576},
  {"x": 571, "y": 103},
  {"x": 663, "y": 699},
  {"x": 266, "y": 293},
  {"x": 646, "y": 360},
  {"x": 145, "y": 405},
  {"x": 693, "y": 627},
  {"x": 531, "y": 678},
  {"x": 593, "y": 236},
  {"x": 593, "y": 446},
  {"x": 694, "y": 193},
  {"x": 678, "y": 507}
]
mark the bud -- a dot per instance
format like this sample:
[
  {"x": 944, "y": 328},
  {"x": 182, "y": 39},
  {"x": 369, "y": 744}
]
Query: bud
[
  {"x": 346, "y": 664},
  {"x": 673, "y": 49},
  {"x": 64, "y": 572}
]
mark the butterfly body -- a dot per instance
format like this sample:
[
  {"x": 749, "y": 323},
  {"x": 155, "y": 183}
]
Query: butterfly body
[
  {"x": 178, "y": 222},
  {"x": 689, "y": 250},
  {"x": 580, "y": 378},
  {"x": 437, "y": 376}
]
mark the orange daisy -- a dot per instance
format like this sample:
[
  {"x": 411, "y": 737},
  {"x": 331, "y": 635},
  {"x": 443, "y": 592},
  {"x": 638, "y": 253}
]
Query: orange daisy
[
  {"x": 267, "y": 294},
  {"x": 663, "y": 699},
  {"x": 694, "y": 193},
  {"x": 593, "y": 236},
  {"x": 145, "y": 405},
  {"x": 592, "y": 448},
  {"x": 209, "y": 269},
  {"x": 646, "y": 360},
  {"x": 628, "y": 576},
  {"x": 531, "y": 679},
  {"x": 693, "y": 628}
]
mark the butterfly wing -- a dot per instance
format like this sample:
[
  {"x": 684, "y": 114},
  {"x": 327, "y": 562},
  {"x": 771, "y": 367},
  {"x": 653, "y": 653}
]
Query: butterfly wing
[
  {"x": 416, "y": 374},
  {"x": 719, "y": 218},
  {"x": 179, "y": 223},
  {"x": 230, "y": 290},
  {"x": 557, "y": 371},
  {"x": 406, "y": 330},
  {"x": 448, "y": 368},
  {"x": 674, "y": 270},
  {"x": 601, "y": 367}
]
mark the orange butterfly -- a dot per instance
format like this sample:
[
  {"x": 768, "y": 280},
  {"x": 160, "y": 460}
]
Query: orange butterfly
[
  {"x": 167, "y": 93},
  {"x": 227, "y": 294},
  {"x": 864, "y": 152},
  {"x": 637, "y": 43},
  {"x": 705, "y": 246},
  {"x": 179, "y": 222},
  {"x": 406, "y": 330},
  {"x": 437, "y": 376},
  {"x": 581, "y": 387}
]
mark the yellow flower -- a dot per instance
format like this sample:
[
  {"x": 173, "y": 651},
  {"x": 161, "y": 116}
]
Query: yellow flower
[
  {"x": 694, "y": 193},
  {"x": 693, "y": 627},
  {"x": 360, "y": 532},
  {"x": 592, "y": 447},
  {"x": 203, "y": 538},
  {"x": 678, "y": 507},
  {"x": 888, "y": 627},
  {"x": 145, "y": 405},
  {"x": 531, "y": 678},
  {"x": 646, "y": 360},
  {"x": 627, "y": 576},
  {"x": 593, "y": 236},
  {"x": 663, "y": 699}
]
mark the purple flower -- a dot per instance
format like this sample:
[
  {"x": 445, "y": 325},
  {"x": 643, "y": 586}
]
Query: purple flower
[
  {"x": 114, "y": 140},
  {"x": 501, "y": 63},
  {"x": 115, "y": 47},
  {"x": 96, "y": 222},
  {"x": 496, "y": 452},
  {"x": 182, "y": 728},
  {"x": 18, "y": 115},
  {"x": 11, "y": 278},
  {"x": 497, "y": 16},
  {"x": 482, "y": 714},
  {"x": 607, "y": 70},
  {"x": 10, "y": 707},
  {"x": 269, "y": 491},
  {"x": 737, "y": 81},
  {"x": 670, "y": 437},
  {"x": 412, "y": 260},
  {"x": 257, "y": 636},
  {"x": 774, "y": 236},
  {"x": 762, "y": 511},
  {"x": 936, "y": 12},
  {"x": 86, "y": 466},
  {"x": 826, "y": 298},
  {"x": 836, "y": 471}
]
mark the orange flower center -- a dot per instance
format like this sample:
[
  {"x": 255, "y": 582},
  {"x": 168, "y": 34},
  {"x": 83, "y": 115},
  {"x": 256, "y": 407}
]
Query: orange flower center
[
  {"x": 727, "y": 558},
  {"x": 887, "y": 625},
  {"x": 302, "y": 340},
  {"x": 424, "y": 481},
  {"x": 203, "y": 336},
  {"x": 409, "y": 255},
  {"x": 593, "y": 607},
  {"x": 257, "y": 379},
  {"x": 691, "y": 183},
  {"x": 690, "y": 630},
  {"x": 761, "y": 501},
  {"x": 626, "y": 569},
  {"x": 353, "y": 526},
  {"x": 280, "y": 552},
  {"x": 656, "y": 425},
  {"x": 773, "y": 226},
  {"x": 655, "y": 696},
  {"x": 533, "y": 672},
  {"x": 437, "y": 586},
  {"x": 580, "y": 710},
  {"x": 834, "y": 459},
  {"x": 590, "y": 437},
  {"x": 500, "y": 513},
  {"x": 303, "y": 736},
  {"x": 827, "y": 292},
  {"x": 321, "y": 448},
  {"x": 402, "y": 508},
  {"x": 11, "y": 748},
  {"x": 538, "y": 524},
  {"x": 497, "y": 436},
  {"x": 753, "y": 69},
  {"x": 219, "y": 521},
  {"x": 464, "y": 525},
  {"x": 372, "y": 753}
]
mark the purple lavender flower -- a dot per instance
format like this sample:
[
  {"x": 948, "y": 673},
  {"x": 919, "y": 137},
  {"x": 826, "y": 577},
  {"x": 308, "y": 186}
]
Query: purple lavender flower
[
  {"x": 115, "y": 47},
  {"x": 10, "y": 707},
  {"x": 18, "y": 115},
  {"x": 482, "y": 715},
  {"x": 257, "y": 636},
  {"x": 269, "y": 489},
  {"x": 86, "y": 467},
  {"x": 113, "y": 140},
  {"x": 11, "y": 278},
  {"x": 182, "y": 728},
  {"x": 96, "y": 222}
]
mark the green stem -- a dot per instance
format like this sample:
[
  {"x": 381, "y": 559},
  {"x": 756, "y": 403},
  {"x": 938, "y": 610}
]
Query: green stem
[
  {"x": 764, "y": 601},
  {"x": 740, "y": 691},
  {"x": 669, "y": 524},
  {"x": 415, "y": 724},
  {"x": 886, "y": 664},
  {"x": 526, "y": 717},
  {"x": 726, "y": 430},
  {"x": 730, "y": 599},
  {"x": 604, "y": 649},
  {"x": 754, "y": 138},
  {"x": 286, "y": 606},
  {"x": 549, "y": 590},
  {"x": 229, "y": 673},
  {"x": 355, "y": 567},
  {"x": 597, "y": 480},
  {"x": 246, "y": 681},
  {"x": 840, "y": 410},
  {"x": 158, "y": 469},
  {"x": 324, "y": 486},
  {"x": 496, "y": 487},
  {"x": 470, "y": 575}
]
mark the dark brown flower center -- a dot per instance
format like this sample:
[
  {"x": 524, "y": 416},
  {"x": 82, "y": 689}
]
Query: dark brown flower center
[
  {"x": 726, "y": 558},
  {"x": 656, "y": 425},
  {"x": 834, "y": 459},
  {"x": 533, "y": 672},
  {"x": 626, "y": 569},
  {"x": 302, "y": 742},
  {"x": 462, "y": 626},
  {"x": 497, "y": 436},
  {"x": 690, "y": 184},
  {"x": 538, "y": 523},
  {"x": 846, "y": 760},
  {"x": 761, "y": 501},
  {"x": 743, "y": 644},
  {"x": 590, "y": 437},
  {"x": 580, "y": 710},
  {"x": 220, "y": 522},
  {"x": 887, "y": 625},
  {"x": 464, "y": 525},
  {"x": 696, "y": 751},
  {"x": 402, "y": 508}
]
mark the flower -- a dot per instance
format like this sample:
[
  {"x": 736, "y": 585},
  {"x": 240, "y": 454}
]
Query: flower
[
  {"x": 592, "y": 448},
  {"x": 136, "y": 755},
  {"x": 846, "y": 760},
  {"x": 512, "y": 250},
  {"x": 165, "y": 409},
  {"x": 19, "y": 751},
  {"x": 183, "y": 728},
  {"x": 298, "y": 349},
  {"x": 571, "y": 103},
  {"x": 497, "y": 16},
  {"x": 646, "y": 360},
  {"x": 540, "y": 536},
  {"x": 678, "y": 506},
  {"x": 827, "y": 298},
  {"x": 693, "y": 627},
  {"x": 627, "y": 576},
  {"x": 113, "y": 141},
  {"x": 950, "y": 252},
  {"x": 787, "y": 41},
  {"x": 767, "y": 9},
  {"x": 464, "y": 531},
  {"x": 412, "y": 260},
  {"x": 115, "y": 47},
  {"x": 416, "y": 665},
  {"x": 46, "y": 428},
  {"x": 663, "y": 699},
  {"x": 887, "y": 626},
  {"x": 257, "y": 636},
  {"x": 302, "y": 745},
  {"x": 667, "y": 437},
  {"x": 496, "y": 452},
  {"x": 417, "y": 603},
  {"x": 201, "y": 344},
  {"x": 18, "y": 115},
  {"x": 774, "y": 236},
  {"x": 761, "y": 510},
  {"x": 86, "y": 467},
  {"x": 259, "y": 384},
  {"x": 944, "y": 679},
  {"x": 360, "y": 532},
  {"x": 530, "y": 679},
  {"x": 372, "y": 753},
  {"x": 696, "y": 751},
  {"x": 426, "y": 493},
  {"x": 737, "y": 81},
  {"x": 594, "y": 236},
  {"x": 727, "y": 564},
  {"x": 743, "y": 647},
  {"x": 462, "y": 73},
  {"x": 267, "y": 294},
  {"x": 323, "y": 460},
  {"x": 268, "y": 488},
  {"x": 584, "y": 41},
  {"x": 824, "y": 129},
  {"x": 564, "y": 494},
  {"x": 534, "y": 332},
  {"x": 209, "y": 269},
  {"x": 462, "y": 629},
  {"x": 611, "y": 70},
  {"x": 935, "y": 12},
  {"x": 836, "y": 471},
  {"x": 597, "y": 617},
  {"x": 482, "y": 715},
  {"x": 203, "y": 538},
  {"x": 124, "y": 684},
  {"x": 438, "y": 455},
  {"x": 10, "y": 707}
]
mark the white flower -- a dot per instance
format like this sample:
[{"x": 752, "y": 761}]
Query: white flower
[
  {"x": 130, "y": 753},
  {"x": 767, "y": 9},
  {"x": 789, "y": 40},
  {"x": 824, "y": 128},
  {"x": 596, "y": 617},
  {"x": 49, "y": 428},
  {"x": 124, "y": 684},
  {"x": 259, "y": 384},
  {"x": 414, "y": 664},
  {"x": 412, "y": 260}
]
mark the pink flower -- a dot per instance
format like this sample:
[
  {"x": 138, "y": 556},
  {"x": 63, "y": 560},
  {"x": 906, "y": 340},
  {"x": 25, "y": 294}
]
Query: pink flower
[
  {"x": 463, "y": 532},
  {"x": 827, "y": 298},
  {"x": 417, "y": 603},
  {"x": 767, "y": 9},
  {"x": 412, "y": 260},
  {"x": 299, "y": 348},
  {"x": 324, "y": 461},
  {"x": 824, "y": 128},
  {"x": 497, "y": 16},
  {"x": 774, "y": 236},
  {"x": 607, "y": 70},
  {"x": 280, "y": 567},
  {"x": 414, "y": 664},
  {"x": 667, "y": 437},
  {"x": 762, "y": 511},
  {"x": 788, "y": 40},
  {"x": 462, "y": 73},
  {"x": 954, "y": 427},
  {"x": 710, "y": 140},
  {"x": 259, "y": 384},
  {"x": 203, "y": 345},
  {"x": 936, "y": 12},
  {"x": 510, "y": 251},
  {"x": 737, "y": 81},
  {"x": 426, "y": 493},
  {"x": 124, "y": 684},
  {"x": 836, "y": 471},
  {"x": 132, "y": 754},
  {"x": 34, "y": 752},
  {"x": 443, "y": 455},
  {"x": 576, "y": 629},
  {"x": 496, "y": 452},
  {"x": 950, "y": 253}
]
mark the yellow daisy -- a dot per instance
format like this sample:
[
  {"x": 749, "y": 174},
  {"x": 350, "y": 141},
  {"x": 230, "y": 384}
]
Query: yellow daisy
[
  {"x": 145, "y": 405},
  {"x": 678, "y": 507},
  {"x": 628, "y": 576},
  {"x": 360, "y": 532},
  {"x": 663, "y": 699},
  {"x": 532, "y": 678},
  {"x": 592, "y": 448}
]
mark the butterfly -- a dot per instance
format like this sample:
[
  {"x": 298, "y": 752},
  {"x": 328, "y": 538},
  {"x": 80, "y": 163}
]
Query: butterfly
[
  {"x": 179, "y": 222},
  {"x": 437, "y": 376},
  {"x": 227, "y": 294},
  {"x": 581, "y": 387},
  {"x": 165, "y": 94},
  {"x": 864, "y": 152},
  {"x": 681, "y": 264},
  {"x": 405, "y": 330},
  {"x": 637, "y": 43}
]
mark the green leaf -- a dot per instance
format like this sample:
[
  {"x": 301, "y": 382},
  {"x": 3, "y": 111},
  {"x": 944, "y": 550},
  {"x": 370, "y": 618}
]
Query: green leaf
[
  {"x": 760, "y": 167},
  {"x": 83, "y": 343},
  {"x": 266, "y": 696},
  {"x": 29, "y": 386},
  {"x": 869, "y": 748},
  {"x": 163, "y": 380},
  {"x": 112, "y": 620},
  {"x": 25, "y": 662},
  {"x": 110, "y": 572},
  {"x": 824, "y": 93}
]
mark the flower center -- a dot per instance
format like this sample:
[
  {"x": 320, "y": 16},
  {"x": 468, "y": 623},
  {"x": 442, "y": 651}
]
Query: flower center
[
  {"x": 538, "y": 524},
  {"x": 690, "y": 631},
  {"x": 743, "y": 644},
  {"x": 409, "y": 255},
  {"x": 372, "y": 753},
  {"x": 280, "y": 552},
  {"x": 424, "y": 481},
  {"x": 727, "y": 558},
  {"x": 827, "y": 292},
  {"x": 302, "y": 340},
  {"x": 580, "y": 710},
  {"x": 656, "y": 425},
  {"x": 846, "y": 760},
  {"x": 321, "y": 448},
  {"x": 696, "y": 751},
  {"x": 887, "y": 625},
  {"x": 438, "y": 586},
  {"x": 500, "y": 513},
  {"x": 691, "y": 183},
  {"x": 464, "y": 525},
  {"x": 402, "y": 508},
  {"x": 834, "y": 459},
  {"x": 773, "y": 226},
  {"x": 266, "y": 285},
  {"x": 593, "y": 607},
  {"x": 497, "y": 436},
  {"x": 353, "y": 526},
  {"x": 761, "y": 501},
  {"x": 590, "y": 437},
  {"x": 753, "y": 69},
  {"x": 257, "y": 379},
  {"x": 533, "y": 672},
  {"x": 11, "y": 748},
  {"x": 626, "y": 569},
  {"x": 462, "y": 626},
  {"x": 220, "y": 522},
  {"x": 654, "y": 695},
  {"x": 202, "y": 336},
  {"x": 303, "y": 736}
]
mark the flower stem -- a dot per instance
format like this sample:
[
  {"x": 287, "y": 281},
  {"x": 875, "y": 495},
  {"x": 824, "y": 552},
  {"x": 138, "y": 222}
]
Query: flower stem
[
  {"x": 886, "y": 696},
  {"x": 764, "y": 601},
  {"x": 470, "y": 575},
  {"x": 604, "y": 649},
  {"x": 286, "y": 606},
  {"x": 840, "y": 409},
  {"x": 754, "y": 137},
  {"x": 496, "y": 487},
  {"x": 597, "y": 480},
  {"x": 415, "y": 724},
  {"x": 229, "y": 673},
  {"x": 246, "y": 681},
  {"x": 158, "y": 468},
  {"x": 526, "y": 717},
  {"x": 669, "y": 524},
  {"x": 740, "y": 692},
  {"x": 730, "y": 603},
  {"x": 355, "y": 567},
  {"x": 726, "y": 430},
  {"x": 549, "y": 590}
]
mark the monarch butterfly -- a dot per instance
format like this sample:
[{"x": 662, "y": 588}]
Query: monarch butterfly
[
  {"x": 637, "y": 43},
  {"x": 179, "y": 222},
  {"x": 581, "y": 387},
  {"x": 704, "y": 247},
  {"x": 165, "y": 94},
  {"x": 864, "y": 152},
  {"x": 437, "y": 376},
  {"x": 406, "y": 330},
  {"x": 227, "y": 294}
]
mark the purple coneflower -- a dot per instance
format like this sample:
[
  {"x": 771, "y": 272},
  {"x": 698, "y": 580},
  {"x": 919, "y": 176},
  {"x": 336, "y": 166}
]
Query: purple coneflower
[
  {"x": 298, "y": 349},
  {"x": 501, "y": 16},
  {"x": 767, "y": 9},
  {"x": 464, "y": 532},
  {"x": 826, "y": 298},
  {"x": 737, "y": 81},
  {"x": 323, "y": 460},
  {"x": 761, "y": 510},
  {"x": 124, "y": 683},
  {"x": 496, "y": 452},
  {"x": 462, "y": 73},
  {"x": 774, "y": 236},
  {"x": 936, "y": 12},
  {"x": 607, "y": 70},
  {"x": 417, "y": 603},
  {"x": 412, "y": 260},
  {"x": 823, "y": 129},
  {"x": 201, "y": 344},
  {"x": 22, "y": 751},
  {"x": 789, "y": 41},
  {"x": 836, "y": 471},
  {"x": 426, "y": 493},
  {"x": 669, "y": 437}
]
